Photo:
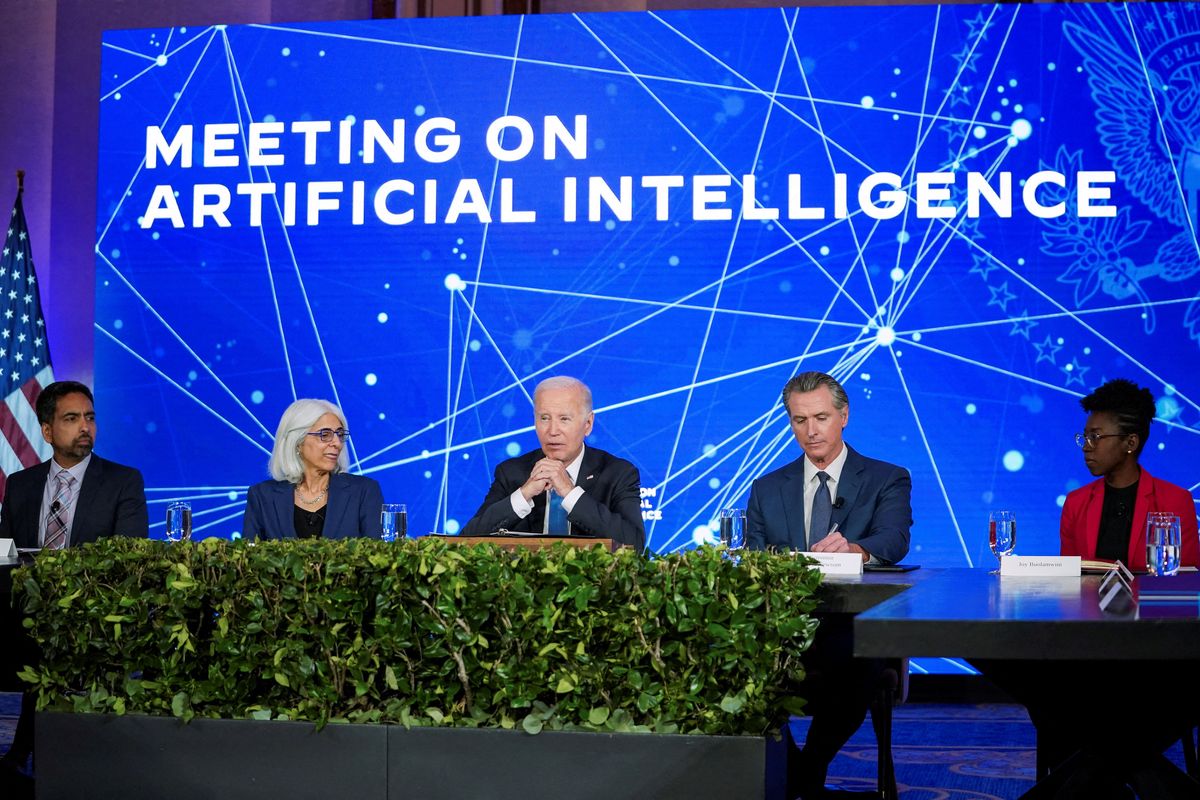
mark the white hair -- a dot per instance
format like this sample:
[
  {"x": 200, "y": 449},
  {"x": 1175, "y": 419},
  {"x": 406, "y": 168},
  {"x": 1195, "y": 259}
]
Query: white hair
[
  {"x": 567, "y": 382},
  {"x": 285, "y": 463}
]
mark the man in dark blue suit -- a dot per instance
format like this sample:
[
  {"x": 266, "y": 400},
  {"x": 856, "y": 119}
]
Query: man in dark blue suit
[
  {"x": 73, "y": 498},
  {"x": 563, "y": 486},
  {"x": 833, "y": 500}
]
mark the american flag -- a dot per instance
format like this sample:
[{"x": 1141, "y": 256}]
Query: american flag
[{"x": 24, "y": 356}]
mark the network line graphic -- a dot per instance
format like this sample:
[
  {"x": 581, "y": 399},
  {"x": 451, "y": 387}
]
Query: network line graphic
[{"x": 964, "y": 341}]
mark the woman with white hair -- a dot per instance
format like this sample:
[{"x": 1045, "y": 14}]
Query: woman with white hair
[{"x": 311, "y": 494}]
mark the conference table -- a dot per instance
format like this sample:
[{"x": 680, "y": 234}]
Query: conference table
[{"x": 976, "y": 615}]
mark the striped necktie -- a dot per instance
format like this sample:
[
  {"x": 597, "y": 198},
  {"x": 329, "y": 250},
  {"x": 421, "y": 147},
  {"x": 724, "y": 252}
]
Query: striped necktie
[{"x": 59, "y": 521}]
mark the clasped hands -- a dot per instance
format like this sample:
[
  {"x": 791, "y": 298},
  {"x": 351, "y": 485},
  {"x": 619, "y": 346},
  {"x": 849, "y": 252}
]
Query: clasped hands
[{"x": 547, "y": 473}]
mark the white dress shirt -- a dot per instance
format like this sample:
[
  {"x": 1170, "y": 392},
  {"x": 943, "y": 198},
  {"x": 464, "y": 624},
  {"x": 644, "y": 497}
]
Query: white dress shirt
[{"x": 812, "y": 483}]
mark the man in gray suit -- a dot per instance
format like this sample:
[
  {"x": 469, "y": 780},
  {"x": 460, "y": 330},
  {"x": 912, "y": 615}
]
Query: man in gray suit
[{"x": 73, "y": 498}]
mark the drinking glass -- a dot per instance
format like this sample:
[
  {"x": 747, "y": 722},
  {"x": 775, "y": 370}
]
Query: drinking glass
[
  {"x": 1162, "y": 543},
  {"x": 1002, "y": 534},
  {"x": 733, "y": 528},
  {"x": 394, "y": 518},
  {"x": 179, "y": 521}
]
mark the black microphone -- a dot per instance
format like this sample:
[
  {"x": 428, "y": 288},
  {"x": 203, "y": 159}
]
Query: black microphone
[
  {"x": 841, "y": 501},
  {"x": 55, "y": 506}
]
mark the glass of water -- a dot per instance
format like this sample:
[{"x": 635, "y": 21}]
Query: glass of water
[
  {"x": 179, "y": 521},
  {"x": 1002, "y": 534},
  {"x": 395, "y": 521},
  {"x": 1162, "y": 543},
  {"x": 732, "y": 528}
]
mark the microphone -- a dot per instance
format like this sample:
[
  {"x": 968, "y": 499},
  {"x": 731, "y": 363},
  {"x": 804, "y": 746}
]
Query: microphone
[
  {"x": 55, "y": 506},
  {"x": 841, "y": 501}
]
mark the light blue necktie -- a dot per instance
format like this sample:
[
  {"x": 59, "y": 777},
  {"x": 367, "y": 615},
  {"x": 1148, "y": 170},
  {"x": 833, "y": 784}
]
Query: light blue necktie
[
  {"x": 558, "y": 514},
  {"x": 822, "y": 512}
]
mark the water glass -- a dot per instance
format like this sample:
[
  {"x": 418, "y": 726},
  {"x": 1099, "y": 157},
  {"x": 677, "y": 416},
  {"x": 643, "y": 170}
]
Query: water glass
[
  {"x": 1162, "y": 543},
  {"x": 394, "y": 518},
  {"x": 179, "y": 521},
  {"x": 732, "y": 528},
  {"x": 1002, "y": 533}
]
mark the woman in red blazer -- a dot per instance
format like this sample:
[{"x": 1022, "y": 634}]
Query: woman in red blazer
[{"x": 1107, "y": 518}]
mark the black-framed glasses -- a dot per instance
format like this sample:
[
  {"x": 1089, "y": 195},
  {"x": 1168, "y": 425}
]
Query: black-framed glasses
[
  {"x": 1085, "y": 439},
  {"x": 326, "y": 434}
]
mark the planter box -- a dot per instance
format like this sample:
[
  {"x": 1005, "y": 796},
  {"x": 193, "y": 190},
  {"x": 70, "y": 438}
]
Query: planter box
[{"x": 128, "y": 757}]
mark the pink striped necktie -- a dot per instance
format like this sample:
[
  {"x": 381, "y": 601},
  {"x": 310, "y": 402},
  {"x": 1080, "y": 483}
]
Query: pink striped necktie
[{"x": 60, "y": 518}]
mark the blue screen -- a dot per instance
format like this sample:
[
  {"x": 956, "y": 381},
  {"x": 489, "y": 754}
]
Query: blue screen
[{"x": 419, "y": 220}]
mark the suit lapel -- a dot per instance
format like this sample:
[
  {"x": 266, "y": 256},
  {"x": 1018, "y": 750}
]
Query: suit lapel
[
  {"x": 282, "y": 507},
  {"x": 336, "y": 507},
  {"x": 1095, "y": 504},
  {"x": 25, "y": 529},
  {"x": 589, "y": 469},
  {"x": 1137, "y": 533},
  {"x": 89, "y": 490},
  {"x": 793, "y": 503},
  {"x": 849, "y": 485}
]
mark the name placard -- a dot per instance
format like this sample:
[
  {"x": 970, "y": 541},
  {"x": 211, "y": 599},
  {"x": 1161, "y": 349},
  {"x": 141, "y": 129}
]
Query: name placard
[
  {"x": 837, "y": 563},
  {"x": 8, "y": 548},
  {"x": 1041, "y": 566}
]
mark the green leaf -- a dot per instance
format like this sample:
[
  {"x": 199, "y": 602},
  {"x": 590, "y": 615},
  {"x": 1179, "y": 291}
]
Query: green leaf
[
  {"x": 282, "y": 679},
  {"x": 532, "y": 725},
  {"x": 389, "y": 675},
  {"x": 732, "y": 704},
  {"x": 598, "y": 715}
]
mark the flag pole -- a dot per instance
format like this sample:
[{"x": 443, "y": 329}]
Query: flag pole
[{"x": 20, "y": 181}]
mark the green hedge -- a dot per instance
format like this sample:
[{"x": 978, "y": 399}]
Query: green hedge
[{"x": 420, "y": 633}]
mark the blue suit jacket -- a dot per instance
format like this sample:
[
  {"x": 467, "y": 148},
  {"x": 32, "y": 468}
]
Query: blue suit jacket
[
  {"x": 353, "y": 509},
  {"x": 876, "y": 511}
]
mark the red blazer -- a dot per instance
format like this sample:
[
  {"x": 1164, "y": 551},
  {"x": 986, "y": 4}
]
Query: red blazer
[{"x": 1079, "y": 526}]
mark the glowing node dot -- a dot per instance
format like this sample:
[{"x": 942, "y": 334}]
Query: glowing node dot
[
  {"x": 371, "y": 379},
  {"x": 715, "y": 483},
  {"x": 885, "y": 336},
  {"x": 232, "y": 495},
  {"x": 868, "y": 101},
  {"x": 1013, "y": 460},
  {"x": 1051, "y": 66},
  {"x": 454, "y": 283},
  {"x": 1162, "y": 446},
  {"x": 673, "y": 261},
  {"x": 287, "y": 51},
  {"x": 466, "y": 456},
  {"x": 428, "y": 474},
  {"x": 896, "y": 71},
  {"x": 610, "y": 225},
  {"x": 979, "y": 132},
  {"x": 971, "y": 408},
  {"x": 453, "y": 526},
  {"x": 1022, "y": 129},
  {"x": 419, "y": 111},
  {"x": 161, "y": 60},
  {"x": 475, "y": 345},
  {"x": 710, "y": 450},
  {"x": 824, "y": 250},
  {"x": 702, "y": 534},
  {"x": 257, "y": 397},
  {"x": 1060, "y": 500},
  {"x": 118, "y": 324},
  {"x": 512, "y": 449},
  {"x": 117, "y": 96},
  {"x": 382, "y": 317},
  {"x": 897, "y": 274},
  {"x": 382, "y": 415},
  {"x": 916, "y": 337},
  {"x": 903, "y": 237}
]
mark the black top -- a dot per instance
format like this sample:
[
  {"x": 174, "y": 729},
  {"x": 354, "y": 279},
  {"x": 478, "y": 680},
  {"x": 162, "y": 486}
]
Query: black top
[
  {"x": 308, "y": 524},
  {"x": 1116, "y": 523}
]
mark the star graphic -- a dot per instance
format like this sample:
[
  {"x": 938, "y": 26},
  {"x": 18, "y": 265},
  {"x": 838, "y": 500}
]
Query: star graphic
[
  {"x": 978, "y": 27},
  {"x": 966, "y": 59},
  {"x": 1046, "y": 350},
  {"x": 1001, "y": 296},
  {"x": 983, "y": 265},
  {"x": 1074, "y": 372},
  {"x": 1022, "y": 324},
  {"x": 960, "y": 94}
]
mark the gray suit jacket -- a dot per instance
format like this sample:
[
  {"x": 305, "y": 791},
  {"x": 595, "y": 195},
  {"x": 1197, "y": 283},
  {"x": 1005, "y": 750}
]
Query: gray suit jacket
[{"x": 875, "y": 511}]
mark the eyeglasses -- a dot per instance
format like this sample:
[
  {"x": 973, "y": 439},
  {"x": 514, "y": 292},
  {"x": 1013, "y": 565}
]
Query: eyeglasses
[
  {"x": 1085, "y": 439},
  {"x": 326, "y": 435}
]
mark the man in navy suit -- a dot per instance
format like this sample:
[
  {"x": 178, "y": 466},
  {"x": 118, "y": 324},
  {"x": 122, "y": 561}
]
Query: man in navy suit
[
  {"x": 73, "y": 498},
  {"x": 564, "y": 487},
  {"x": 832, "y": 500}
]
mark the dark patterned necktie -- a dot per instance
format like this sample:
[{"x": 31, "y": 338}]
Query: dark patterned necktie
[
  {"x": 822, "y": 511},
  {"x": 60, "y": 518}
]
